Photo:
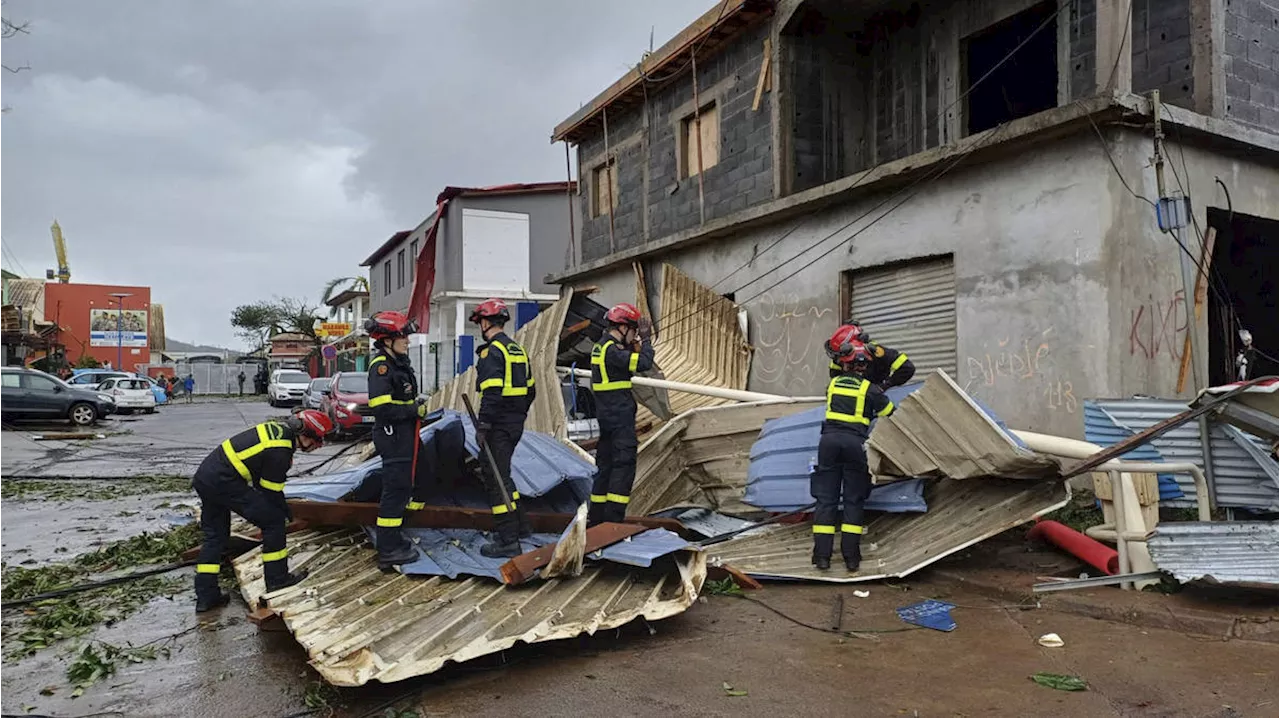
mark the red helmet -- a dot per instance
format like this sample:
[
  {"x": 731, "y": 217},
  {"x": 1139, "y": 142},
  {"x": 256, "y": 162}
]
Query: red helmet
[
  {"x": 623, "y": 314},
  {"x": 314, "y": 424},
  {"x": 386, "y": 325},
  {"x": 495, "y": 310},
  {"x": 841, "y": 342}
]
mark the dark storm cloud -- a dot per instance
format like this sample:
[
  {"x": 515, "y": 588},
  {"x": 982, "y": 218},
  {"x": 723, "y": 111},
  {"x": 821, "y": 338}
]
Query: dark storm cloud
[{"x": 224, "y": 151}]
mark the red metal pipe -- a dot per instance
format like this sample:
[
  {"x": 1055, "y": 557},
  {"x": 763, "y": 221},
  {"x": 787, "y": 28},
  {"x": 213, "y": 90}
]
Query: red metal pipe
[{"x": 1096, "y": 554}]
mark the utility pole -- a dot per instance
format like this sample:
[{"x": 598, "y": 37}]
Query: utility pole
[{"x": 119, "y": 298}]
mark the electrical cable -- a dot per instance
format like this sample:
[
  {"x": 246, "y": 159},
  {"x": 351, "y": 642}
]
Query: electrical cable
[
  {"x": 89, "y": 586},
  {"x": 849, "y": 633}
]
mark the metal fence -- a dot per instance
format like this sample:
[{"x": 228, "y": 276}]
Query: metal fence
[
  {"x": 212, "y": 378},
  {"x": 434, "y": 363}
]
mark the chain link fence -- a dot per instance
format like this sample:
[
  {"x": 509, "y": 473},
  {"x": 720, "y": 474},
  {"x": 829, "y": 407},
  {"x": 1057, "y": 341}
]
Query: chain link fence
[{"x": 211, "y": 378}]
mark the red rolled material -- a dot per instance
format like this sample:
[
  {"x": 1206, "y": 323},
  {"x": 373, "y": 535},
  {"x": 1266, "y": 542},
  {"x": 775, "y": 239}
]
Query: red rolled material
[{"x": 1096, "y": 554}]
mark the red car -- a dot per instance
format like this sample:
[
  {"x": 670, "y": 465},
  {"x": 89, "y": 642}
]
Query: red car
[{"x": 347, "y": 402}]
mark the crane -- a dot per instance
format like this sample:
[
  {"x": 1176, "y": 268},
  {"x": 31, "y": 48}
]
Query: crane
[{"x": 60, "y": 249}]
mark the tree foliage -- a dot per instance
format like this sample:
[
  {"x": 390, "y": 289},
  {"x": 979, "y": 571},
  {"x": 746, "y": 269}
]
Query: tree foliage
[
  {"x": 256, "y": 323},
  {"x": 338, "y": 285}
]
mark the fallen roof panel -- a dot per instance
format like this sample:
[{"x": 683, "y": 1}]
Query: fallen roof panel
[
  {"x": 961, "y": 513},
  {"x": 642, "y": 549},
  {"x": 359, "y": 624},
  {"x": 1234, "y": 552},
  {"x": 456, "y": 552}
]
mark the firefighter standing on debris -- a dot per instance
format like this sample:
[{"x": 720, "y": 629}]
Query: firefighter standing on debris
[
  {"x": 852, "y": 402},
  {"x": 246, "y": 475},
  {"x": 393, "y": 398},
  {"x": 613, "y": 361},
  {"x": 889, "y": 367},
  {"x": 505, "y": 382}
]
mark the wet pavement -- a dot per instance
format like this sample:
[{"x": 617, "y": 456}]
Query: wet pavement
[{"x": 226, "y": 666}]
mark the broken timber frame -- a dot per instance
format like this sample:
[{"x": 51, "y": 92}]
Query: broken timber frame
[
  {"x": 355, "y": 513},
  {"x": 522, "y": 567}
]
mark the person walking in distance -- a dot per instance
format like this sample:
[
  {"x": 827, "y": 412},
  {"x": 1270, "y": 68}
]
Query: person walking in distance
[
  {"x": 505, "y": 382},
  {"x": 189, "y": 386},
  {"x": 245, "y": 475},
  {"x": 623, "y": 351},
  {"x": 393, "y": 394},
  {"x": 240, "y": 380},
  {"x": 842, "y": 476}
]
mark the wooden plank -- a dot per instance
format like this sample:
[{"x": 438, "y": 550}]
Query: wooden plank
[
  {"x": 723, "y": 571},
  {"x": 522, "y": 567},
  {"x": 574, "y": 329},
  {"x": 353, "y": 513},
  {"x": 763, "y": 80},
  {"x": 1202, "y": 290}
]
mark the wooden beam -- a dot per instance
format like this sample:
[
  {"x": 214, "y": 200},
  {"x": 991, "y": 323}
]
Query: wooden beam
[
  {"x": 1202, "y": 290},
  {"x": 763, "y": 80},
  {"x": 355, "y": 513},
  {"x": 523, "y": 567},
  {"x": 574, "y": 329},
  {"x": 723, "y": 571}
]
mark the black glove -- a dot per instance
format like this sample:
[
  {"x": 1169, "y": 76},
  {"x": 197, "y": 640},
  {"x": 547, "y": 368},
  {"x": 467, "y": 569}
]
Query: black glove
[
  {"x": 644, "y": 329},
  {"x": 481, "y": 432}
]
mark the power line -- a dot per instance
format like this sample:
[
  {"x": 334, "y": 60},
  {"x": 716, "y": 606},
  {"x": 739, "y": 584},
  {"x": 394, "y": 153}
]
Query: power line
[{"x": 13, "y": 259}]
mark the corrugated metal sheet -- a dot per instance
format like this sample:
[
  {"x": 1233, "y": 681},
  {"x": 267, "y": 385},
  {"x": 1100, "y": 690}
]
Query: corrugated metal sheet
[
  {"x": 541, "y": 339},
  {"x": 456, "y": 552},
  {"x": 699, "y": 341},
  {"x": 28, "y": 294},
  {"x": 939, "y": 431},
  {"x": 359, "y": 624},
  {"x": 643, "y": 549},
  {"x": 961, "y": 513},
  {"x": 1102, "y": 429},
  {"x": 1244, "y": 552},
  {"x": 705, "y": 521},
  {"x": 1240, "y": 479},
  {"x": 911, "y": 307}
]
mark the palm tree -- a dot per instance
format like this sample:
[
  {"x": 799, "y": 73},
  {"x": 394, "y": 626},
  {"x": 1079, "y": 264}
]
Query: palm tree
[{"x": 331, "y": 289}]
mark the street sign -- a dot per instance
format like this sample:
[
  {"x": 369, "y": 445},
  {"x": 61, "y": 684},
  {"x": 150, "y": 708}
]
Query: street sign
[{"x": 329, "y": 351}]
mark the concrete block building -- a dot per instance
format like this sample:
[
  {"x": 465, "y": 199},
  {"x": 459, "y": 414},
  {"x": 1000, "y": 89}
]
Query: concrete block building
[{"x": 978, "y": 183}]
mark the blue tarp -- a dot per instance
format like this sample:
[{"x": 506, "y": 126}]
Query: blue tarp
[
  {"x": 1101, "y": 429},
  {"x": 778, "y": 475}
]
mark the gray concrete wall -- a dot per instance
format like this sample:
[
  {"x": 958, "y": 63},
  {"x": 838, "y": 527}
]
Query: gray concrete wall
[
  {"x": 1250, "y": 66},
  {"x": 1162, "y": 50},
  {"x": 654, "y": 200}
]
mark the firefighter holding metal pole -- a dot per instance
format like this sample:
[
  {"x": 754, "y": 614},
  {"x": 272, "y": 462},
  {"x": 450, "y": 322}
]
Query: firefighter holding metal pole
[
  {"x": 505, "y": 382},
  {"x": 842, "y": 481}
]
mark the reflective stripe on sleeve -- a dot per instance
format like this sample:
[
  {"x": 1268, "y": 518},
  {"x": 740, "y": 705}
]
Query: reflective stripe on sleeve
[
  {"x": 416, "y": 505},
  {"x": 618, "y": 498},
  {"x": 897, "y": 363},
  {"x": 500, "y": 509},
  {"x": 386, "y": 399},
  {"x": 886, "y": 410},
  {"x": 271, "y": 485}
]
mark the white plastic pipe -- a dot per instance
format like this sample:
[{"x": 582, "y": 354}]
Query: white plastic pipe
[{"x": 703, "y": 389}]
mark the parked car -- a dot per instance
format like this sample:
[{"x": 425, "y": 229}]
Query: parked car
[
  {"x": 33, "y": 395},
  {"x": 287, "y": 386},
  {"x": 158, "y": 391},
  {"x": 347, "y": 402},
  {"x": 313, "y": 397},
  {"x": 131, "y": 394},
  {"x": 93, "y": 377}
]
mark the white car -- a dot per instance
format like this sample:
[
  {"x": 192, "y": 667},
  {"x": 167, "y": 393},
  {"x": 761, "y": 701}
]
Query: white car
[
  {"x": 286, "y": 386},
  {"x": 130, "y": 394}
]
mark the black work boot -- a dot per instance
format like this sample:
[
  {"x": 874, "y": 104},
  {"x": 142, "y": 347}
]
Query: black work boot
[
  {"x": 275, "y": 583},
  {"x": 395, "y": 557},
  {"x": 208, "y": 602},
  {"x": 822, "y": 563},
  {"x": 500, "y": 548},
  {"x": 853, "y": 559},
  {"x": 525, "y": 530}
]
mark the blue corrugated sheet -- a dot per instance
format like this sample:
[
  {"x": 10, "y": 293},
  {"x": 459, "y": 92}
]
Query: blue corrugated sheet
[
  {"x": 456, "y": 552},
  {"x": 1102, "y": 429},
  {"x": 705, "y": 521},
  {"x": 1244, "y": 475},
  {"x": 643, "y": 548}
]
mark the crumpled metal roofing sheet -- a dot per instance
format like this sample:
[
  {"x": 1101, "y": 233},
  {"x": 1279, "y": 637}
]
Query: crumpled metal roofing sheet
[
  {"x": 1102, "y": 429},
  {"x": 643, "y": 548},
  {"x": 702, "y": 347},
  {"x": 359, "y": 624},
  {"x": 1241, "y": 552},
  {"x": 961, "y": 513},
  {"x": 705, "y": 521},
  {"x": 540, "y": 464},
  {"x": 456, "y": 552},
  {"x": 1242, "y": 476},
  {"x": 541, "y": 340},
  {"x": 939, "y": 431}
]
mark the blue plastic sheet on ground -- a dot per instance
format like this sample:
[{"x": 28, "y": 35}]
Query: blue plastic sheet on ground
[
  {"x": 641, "y": 549},
  {"x": 929, "y": 614},
  {"x": 1101, "y": 429},
  {"x": 781, "y": 459},
  {"x": 456, "y": 552}
]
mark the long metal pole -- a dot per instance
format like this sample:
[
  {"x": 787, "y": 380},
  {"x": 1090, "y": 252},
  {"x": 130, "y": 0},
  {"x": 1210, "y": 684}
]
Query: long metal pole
[
  {"x": 120, "y": 334},
  {"x": 484, "y": 449}
]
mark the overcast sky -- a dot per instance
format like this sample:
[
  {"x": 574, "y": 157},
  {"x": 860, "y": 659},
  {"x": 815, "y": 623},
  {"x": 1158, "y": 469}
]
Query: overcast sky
[{"x": 222, "y": 151}]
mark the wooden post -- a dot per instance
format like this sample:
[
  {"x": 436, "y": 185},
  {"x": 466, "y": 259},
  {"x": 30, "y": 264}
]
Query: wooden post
[
  {"x": 568, "y": 191},
  {"x": 697, "y": 130},
  {"x": 1201, "y": 292}
]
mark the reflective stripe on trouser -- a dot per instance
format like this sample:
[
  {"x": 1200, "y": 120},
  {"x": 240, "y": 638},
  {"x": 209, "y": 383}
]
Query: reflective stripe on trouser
[
  {"x": 615, "y": 473},
  {"x": 220, "y": 496},
  {"x": 840, "y": 485},
  {"x": 502, "y": 440},
  {"x": 394, "y": 443}
]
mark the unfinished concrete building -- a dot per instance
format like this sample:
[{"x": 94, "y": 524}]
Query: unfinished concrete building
[{"x": 975, "y": 182}]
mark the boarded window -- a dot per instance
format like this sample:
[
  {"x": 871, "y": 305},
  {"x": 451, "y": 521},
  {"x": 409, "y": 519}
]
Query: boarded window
[
  {"x": 707, "y": 123},
  {"x": 604, "y": 182},
  {"x": 910, "y": 307}
]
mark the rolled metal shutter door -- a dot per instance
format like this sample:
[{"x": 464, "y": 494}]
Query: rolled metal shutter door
[{"x": 911, "y": 308}]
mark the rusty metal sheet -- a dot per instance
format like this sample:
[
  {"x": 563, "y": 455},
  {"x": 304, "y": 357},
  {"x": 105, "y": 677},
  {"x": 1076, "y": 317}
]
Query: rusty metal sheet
[
  {"x": 939, "y": 431},
  {"x": 961, "y": 513},
  {"x": 359, "y": 624}
]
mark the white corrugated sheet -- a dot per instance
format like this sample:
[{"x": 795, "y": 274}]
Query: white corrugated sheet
[{"x": 1242, "y": 552}]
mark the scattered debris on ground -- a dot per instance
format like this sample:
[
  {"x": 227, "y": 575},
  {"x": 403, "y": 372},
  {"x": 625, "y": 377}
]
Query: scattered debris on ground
[
  {"x": 91, "y": 490},
  {"x": 1057, "y": 681}
]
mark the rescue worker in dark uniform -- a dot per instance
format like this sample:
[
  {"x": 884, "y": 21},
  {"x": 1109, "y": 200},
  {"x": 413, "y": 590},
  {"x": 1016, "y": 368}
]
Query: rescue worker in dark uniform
[
  {"x": 852, "y": 402},
  {"x": 613, "y": 362},
  {"x": 246, "y": 475},
  {"x": 889, "y": 367},
  {"x": 393, "y": 399},
  {"x": 505, "y": 382}
]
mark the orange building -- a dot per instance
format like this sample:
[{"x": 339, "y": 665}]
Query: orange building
[{"x": 88, "y": 316}]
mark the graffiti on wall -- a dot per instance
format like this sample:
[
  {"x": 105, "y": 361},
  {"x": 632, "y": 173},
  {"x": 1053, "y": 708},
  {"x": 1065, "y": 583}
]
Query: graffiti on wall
[
  {"x": 1158, "y": 327},
  {"x": 1023, "y": 367},
  {"x": 788, "y": 343}
]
